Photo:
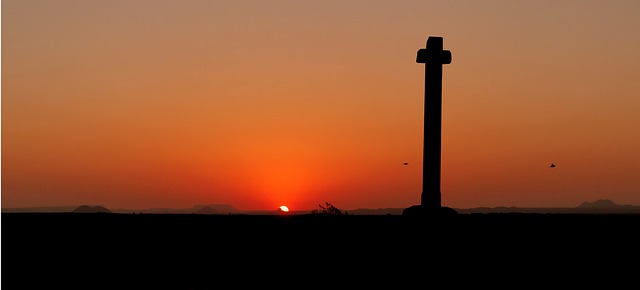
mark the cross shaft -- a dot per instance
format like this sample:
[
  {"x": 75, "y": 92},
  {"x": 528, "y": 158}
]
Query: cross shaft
[{"x": 433, "y": 56}]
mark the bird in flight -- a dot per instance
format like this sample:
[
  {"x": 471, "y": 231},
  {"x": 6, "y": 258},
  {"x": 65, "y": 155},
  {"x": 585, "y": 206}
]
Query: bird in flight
[
  {"x": 406, "y": 163},
  {"x": 552, "y": 165}
]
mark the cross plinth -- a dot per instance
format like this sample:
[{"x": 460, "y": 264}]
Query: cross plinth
[{"x": 433, "y": 57}]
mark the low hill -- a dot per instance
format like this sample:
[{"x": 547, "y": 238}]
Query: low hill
[
  {"x": 206, "y": 210},
  {"x": 197, "y": 209},
  {"x": 91, "y": 209},
  {"x": 604, "y": 206},
  {"x": 47, "y": 209}
]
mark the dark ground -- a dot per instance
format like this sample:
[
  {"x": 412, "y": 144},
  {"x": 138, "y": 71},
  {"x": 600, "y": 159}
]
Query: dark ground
[{"x": 61, "y": 249}]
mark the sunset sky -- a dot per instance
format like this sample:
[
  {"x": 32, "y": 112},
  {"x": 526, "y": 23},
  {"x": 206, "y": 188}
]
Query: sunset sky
[{"x": 257, "y": 104}]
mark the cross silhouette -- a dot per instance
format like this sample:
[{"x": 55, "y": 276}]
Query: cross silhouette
[{"x": 433, "y": 56}]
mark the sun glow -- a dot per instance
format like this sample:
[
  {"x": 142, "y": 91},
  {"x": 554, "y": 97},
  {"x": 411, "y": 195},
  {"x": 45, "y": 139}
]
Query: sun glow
[{"x": 284, "y": 208}]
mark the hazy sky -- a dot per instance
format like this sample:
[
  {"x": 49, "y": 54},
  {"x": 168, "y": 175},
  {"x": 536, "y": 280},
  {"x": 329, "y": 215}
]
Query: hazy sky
[{"x": 262, "y": 103}]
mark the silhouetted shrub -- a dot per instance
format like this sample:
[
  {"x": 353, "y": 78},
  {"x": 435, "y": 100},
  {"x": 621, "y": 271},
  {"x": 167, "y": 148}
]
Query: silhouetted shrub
[{"x": 328, "y": 209}]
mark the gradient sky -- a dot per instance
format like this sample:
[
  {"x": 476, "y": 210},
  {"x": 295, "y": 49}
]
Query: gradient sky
[{"x": 257, "y": 104}]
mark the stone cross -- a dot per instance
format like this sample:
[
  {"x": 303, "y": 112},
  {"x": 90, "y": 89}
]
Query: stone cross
[{"x": 433, "y": 56}]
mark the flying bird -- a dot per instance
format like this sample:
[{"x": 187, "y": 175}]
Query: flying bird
[
  {"x": 552, "y": 165},
  {"x": 406, "y": 163}
]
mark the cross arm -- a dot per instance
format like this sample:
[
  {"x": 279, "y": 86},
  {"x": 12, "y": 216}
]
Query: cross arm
[{"x": 428, "y": 56}]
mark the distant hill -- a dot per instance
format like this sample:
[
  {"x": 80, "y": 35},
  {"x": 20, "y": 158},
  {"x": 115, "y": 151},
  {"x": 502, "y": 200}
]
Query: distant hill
[
  {"x": 219, "y": 208},
  {"x": 41, "y": 209},
  {"x": 197, "y": 209},
  {"x": 201, "y": 209},
  {"x": 91, "y": 209},
  {"x": 606, "y": 205},
  {"x": 206, "y": 210},
  {"x": 602, "y": 206}
]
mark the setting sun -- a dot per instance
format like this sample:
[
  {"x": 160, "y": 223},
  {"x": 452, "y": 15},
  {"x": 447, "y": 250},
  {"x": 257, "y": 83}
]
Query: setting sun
[{"x": 284, "y": 208}]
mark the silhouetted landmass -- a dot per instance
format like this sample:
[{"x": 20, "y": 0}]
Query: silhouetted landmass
[
  {"x": 607, "y": 205},
  {"x": 602, "y": 206},
  {"x": 207, "y": 210},
  {"x": 219, "y": 208},
  {"x": 59, "y": 248},
  {"x": 91, "y": 209},
  {"x": 42, "y": 209},
  {"x": 197, "y": 209}
]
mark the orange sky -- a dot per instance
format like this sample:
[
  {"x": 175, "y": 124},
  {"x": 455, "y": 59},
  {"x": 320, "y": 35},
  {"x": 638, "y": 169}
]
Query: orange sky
[{"x": 257, "y": 104}]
